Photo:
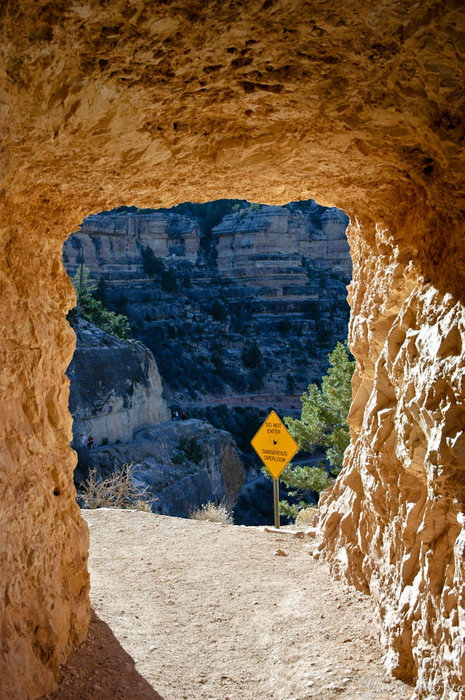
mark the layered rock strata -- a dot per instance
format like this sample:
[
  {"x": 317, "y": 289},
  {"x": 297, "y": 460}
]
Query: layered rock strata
[
  {"x": 115, "y": 387},
  {"x": 274, "y": 275},
  {"x": 266, "y": 247},
  {"x": 357, "y": 105}
]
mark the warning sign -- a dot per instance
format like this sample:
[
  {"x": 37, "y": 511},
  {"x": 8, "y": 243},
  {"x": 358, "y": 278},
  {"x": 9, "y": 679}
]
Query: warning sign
[{"x": 274, "y": 444}]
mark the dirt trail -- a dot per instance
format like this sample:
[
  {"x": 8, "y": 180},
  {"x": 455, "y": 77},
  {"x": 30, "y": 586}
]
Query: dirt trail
[{"x": 211, "y": 612}]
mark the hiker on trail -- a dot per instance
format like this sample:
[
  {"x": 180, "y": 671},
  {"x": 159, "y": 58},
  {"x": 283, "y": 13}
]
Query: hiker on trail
[
  {"x": 82, "y": 440},
  {"x": 90, "y": 442},
  {"x": 183, "y": 415}
]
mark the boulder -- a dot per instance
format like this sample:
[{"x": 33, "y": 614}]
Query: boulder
[{"x": 115, "y": 387}]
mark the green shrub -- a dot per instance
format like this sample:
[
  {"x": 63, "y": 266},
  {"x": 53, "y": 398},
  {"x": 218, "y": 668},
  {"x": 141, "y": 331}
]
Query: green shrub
[
  {"x": 218, "y": 311},
  {"x": 284, "y": 326},
  {"x": 191, "y": 449},
  {"x": 323, "y": 421},
  {"x": 323, "y": 424},
  {"x": 290, "y": 383},
  {"x": 169, "y": 282}
]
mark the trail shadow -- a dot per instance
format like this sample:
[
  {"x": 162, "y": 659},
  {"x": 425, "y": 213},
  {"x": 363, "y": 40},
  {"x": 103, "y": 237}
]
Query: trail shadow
[{"x": 100, "y": 669}]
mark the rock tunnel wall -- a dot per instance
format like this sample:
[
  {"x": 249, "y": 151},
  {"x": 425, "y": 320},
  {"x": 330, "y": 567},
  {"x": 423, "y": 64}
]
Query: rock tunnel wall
[{"x": 358, "y": 105}]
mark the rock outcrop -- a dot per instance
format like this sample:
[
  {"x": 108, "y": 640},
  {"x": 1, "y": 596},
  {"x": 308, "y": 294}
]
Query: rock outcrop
[
  {"x": 115, "y": 387},
  {"x": 182, "y": 465},
  {"x": 355, "y": 104},
  {"x": 393, "y": 521}
]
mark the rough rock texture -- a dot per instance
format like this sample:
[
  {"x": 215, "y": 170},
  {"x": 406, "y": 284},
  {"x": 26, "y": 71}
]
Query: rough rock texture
[
  {"x": 358, "y": 105},
  {"x": 393, "y": 520},
  {"x": 112, "y": 245},
  {"x": 179, "y": 475},
  {"x": 115, "y": 387}
]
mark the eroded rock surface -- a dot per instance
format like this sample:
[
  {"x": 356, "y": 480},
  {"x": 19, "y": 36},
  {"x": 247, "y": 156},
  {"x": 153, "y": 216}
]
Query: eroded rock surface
[
  {"x": 393, "y": 520},
  {"x": 357, "y": 105}
]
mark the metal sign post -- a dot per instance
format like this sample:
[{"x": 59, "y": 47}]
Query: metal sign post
[
  {"x": 276, "y": 501},
  {"x": 276, "y": 447}
]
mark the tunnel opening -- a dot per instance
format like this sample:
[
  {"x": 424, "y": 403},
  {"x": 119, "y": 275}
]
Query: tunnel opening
[{"x": 240, "y": 304}]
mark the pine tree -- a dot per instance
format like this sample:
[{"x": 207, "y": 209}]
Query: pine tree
[
  {"x": 323, "y": 421},
  {"x": 323, "y": 424},
  {"x": 93, "y": 310}
]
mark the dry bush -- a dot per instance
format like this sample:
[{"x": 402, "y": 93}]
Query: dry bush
[
  {"x": 116, "y": 491},
  {"x": 214, "y": 513}
]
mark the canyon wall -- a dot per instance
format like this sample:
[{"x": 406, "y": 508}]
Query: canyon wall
[
  {"x": 265, "y": 247},
  {"x": 269, "y": 277},
  {"x": 357, "y": 105},
  {"x": 181, "y": 465},
  {"x": 393, "y": 521}
]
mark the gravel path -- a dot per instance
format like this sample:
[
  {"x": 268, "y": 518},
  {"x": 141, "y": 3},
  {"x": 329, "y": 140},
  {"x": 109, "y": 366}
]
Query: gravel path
[{"x": 214, "y": 612}]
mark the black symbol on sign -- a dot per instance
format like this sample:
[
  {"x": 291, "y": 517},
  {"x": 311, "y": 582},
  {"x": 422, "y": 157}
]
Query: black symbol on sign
[{"x": 275, "y": 442}]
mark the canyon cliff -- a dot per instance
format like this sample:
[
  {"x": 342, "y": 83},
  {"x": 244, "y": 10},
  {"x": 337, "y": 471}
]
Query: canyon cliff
[
  {"x": 232, "y": 298},
  {"x": 180, "y": 465},
  {"x": 357, "y": 105},
  {"x": 116, "y": 397}
]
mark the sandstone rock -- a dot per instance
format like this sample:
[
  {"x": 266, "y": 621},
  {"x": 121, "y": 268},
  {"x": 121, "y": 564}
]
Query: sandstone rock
[
  {"x": 357, "y": 105},
  {"x": 115, "y": 387}
]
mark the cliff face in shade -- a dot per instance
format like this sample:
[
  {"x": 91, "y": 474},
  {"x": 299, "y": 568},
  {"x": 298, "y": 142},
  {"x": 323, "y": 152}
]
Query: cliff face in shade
[
  {"x": 179, "y": 476},
  {"x": 115, "y": 387},
  {"x": 357, "y": 105}
]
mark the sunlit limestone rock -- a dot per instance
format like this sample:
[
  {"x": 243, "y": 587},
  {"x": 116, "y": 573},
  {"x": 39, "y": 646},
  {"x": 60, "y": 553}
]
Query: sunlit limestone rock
[
  {"x": 107, "y": 242},
  {"x": 265, "y": 246}
]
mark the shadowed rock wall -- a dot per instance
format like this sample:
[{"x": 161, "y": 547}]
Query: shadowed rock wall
[{"x": 357, "y": 105}]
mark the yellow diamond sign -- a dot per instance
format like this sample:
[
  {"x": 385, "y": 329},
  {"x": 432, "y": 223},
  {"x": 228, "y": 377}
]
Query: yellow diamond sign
[{"x": 274, "y": 444}]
